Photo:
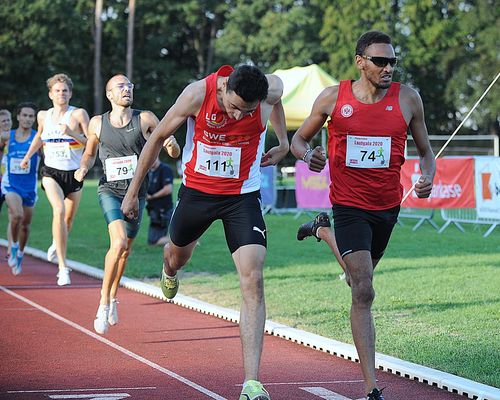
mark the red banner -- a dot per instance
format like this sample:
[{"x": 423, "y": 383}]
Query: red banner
[{"x": 453, "y": 184}]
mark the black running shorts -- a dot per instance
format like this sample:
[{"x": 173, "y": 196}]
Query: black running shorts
[
  {"x": 357, "y": 229},
  {"x": 240, "y": 214},
  {"x": 65, "y": 179}
]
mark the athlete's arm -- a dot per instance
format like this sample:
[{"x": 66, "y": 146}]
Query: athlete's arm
[
  {"x": 411, "y": 99},
  {"x": 186, "y": 105},
  {"x": 36, "y": 144},
  {"x": 90, "y": 153},
  {"x": 277, "y": 119},
  {"x": 78, "y": 126},
  {"x": 321, "y": 110},
  {"x": 149, "y": 122}
]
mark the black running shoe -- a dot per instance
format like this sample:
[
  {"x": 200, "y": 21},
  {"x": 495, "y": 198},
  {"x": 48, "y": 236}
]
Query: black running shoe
[
  {"x": 311, "y": 228},
  {"x": 375, "y": 394}
]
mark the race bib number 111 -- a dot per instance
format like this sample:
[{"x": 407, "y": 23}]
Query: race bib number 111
[{"x": 220, "y": 161}]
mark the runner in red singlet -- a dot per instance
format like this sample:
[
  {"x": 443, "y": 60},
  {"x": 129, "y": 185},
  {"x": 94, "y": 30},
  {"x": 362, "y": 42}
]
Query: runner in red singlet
[
  {"x": 367, "y": 128},
  {"x": 227, "y": 115}
]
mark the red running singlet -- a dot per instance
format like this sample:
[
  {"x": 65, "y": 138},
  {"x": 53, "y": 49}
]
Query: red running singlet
[
  {"x": 366, "y": 146},
  {"x": 222, "y": 155}
]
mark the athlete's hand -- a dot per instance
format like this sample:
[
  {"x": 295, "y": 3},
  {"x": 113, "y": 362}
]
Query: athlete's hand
[
  {"x": 274, "y": 155},
  {"x": 130, "y": 206},
  {"x": 171, "y": 146},
  {"x": 80, "y": 174},
  {"x": 24, "y": 163},
  {"x": 423, "y": 187},
  {"x": 316, "y": 159}
]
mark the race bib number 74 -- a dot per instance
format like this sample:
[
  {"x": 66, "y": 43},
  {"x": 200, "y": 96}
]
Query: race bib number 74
[{"x": 368, "y": 151}]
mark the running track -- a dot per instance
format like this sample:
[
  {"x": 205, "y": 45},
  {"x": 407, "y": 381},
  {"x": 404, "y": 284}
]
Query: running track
[{"x": 159, "y": 350}]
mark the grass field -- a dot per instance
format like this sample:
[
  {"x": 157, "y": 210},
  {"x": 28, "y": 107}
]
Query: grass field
[{"x": 438, "y": 295}]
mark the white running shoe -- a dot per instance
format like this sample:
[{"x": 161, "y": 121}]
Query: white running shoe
[
  {"x": 63, "y": 278},
  {"x": 113, "y": 312},
  {"x": 19, "y": 264},
  {"x": 51, "y": 253},
  {"x": 12, "y": 261},
  {"x": 101, "y": 323}
]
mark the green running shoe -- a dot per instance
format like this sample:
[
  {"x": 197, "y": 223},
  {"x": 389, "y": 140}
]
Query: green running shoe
[
  {"x": 253, "y": 390},
  {"x": 169, "y": 286}
]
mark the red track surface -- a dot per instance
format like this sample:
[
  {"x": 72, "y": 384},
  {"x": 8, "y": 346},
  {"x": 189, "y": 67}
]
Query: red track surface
[{"x": 157, "y": 351}]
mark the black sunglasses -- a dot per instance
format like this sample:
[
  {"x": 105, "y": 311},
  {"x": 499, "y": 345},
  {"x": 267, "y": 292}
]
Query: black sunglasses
[{"x": 381, "y": 61}]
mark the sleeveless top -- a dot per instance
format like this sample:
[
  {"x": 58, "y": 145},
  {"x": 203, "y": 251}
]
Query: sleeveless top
[
  {"x": 119, "y": 150},
  {"x": 366, "y": 145},
  {"x": 24, "y": 180},
  {"x": 60, "y": 151},
  {"x": 222, "y": 155}
]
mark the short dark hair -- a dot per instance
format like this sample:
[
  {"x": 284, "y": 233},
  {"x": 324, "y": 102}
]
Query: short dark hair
[
  {"x": 26, "y": 104},
  {"x": 249, "y": 83},
  {"x": 368, "y": 38}
]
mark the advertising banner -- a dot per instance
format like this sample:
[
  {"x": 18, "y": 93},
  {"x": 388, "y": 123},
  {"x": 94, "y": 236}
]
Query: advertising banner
[
  {"x": 488, "y": 187},
  {"x": 267, "y": 185},
  {"x": 453, "y": 184},
  {"x": 311, "y": 188}
]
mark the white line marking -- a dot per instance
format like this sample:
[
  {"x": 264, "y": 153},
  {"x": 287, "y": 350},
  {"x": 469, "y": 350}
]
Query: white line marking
[
  {"x": 81, "y": 390},
  {"x": 101, "y": 396},
  {"x": 309, "y": 383},
  {"x": 324, "y": 393},
  {"x": 115, "y": 346}
]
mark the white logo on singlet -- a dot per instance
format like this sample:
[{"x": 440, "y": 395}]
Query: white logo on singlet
[
  {"x": 260, "y": 231},
  {"x": 388, "y": 108},
  {"x": 346, "y": 110}
]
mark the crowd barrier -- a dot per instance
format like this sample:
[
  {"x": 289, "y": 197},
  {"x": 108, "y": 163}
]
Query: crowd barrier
[{"x": 465, "y": 190}]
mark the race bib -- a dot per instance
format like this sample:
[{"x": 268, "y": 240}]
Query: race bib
[
  {"x": 56, "y": 151},
  {"x": 368, "y": 151},
  {"x": 119, "y": 168},
  {"x": 15, "y": 166},
  {"x": 220, "y": 161}
]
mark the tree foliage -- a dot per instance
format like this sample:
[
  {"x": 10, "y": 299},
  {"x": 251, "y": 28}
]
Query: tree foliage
[{"x": 448, "y": 50}]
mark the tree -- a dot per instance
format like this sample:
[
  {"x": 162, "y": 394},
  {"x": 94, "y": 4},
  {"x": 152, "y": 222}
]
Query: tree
[
  {"x": 278, "y": 34},
  {"x": 34, "y": 48}
]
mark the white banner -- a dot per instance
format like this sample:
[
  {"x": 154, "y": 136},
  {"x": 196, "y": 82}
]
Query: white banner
[{"x": 487, "y": 171}]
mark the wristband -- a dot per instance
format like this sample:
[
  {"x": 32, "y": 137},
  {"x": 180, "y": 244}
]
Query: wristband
[{"x": 306, "y": 154}]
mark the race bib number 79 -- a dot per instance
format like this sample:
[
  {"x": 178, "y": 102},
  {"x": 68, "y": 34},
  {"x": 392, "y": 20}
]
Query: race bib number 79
[
  {"x": 368, "y": 151},
  {"x": 119, "y": 168}
]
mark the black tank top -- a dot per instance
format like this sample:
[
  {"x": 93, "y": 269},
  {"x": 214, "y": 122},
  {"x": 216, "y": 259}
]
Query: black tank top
[{"x": 120, "y": 142}]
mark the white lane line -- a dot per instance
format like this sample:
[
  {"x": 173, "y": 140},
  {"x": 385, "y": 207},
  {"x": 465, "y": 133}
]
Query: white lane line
[
  {"x": 310, "y": 382},
  {"x": 81, "y": 390},
  {"x": 115, "y": 346},
  {"x": 99, "y": 396},
  {"x": 324, "y": 393}
]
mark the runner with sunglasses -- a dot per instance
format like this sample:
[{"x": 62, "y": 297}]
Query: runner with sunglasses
[{"x": 368, "y": 121}]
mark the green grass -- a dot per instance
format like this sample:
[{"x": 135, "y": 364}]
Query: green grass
[{"x": 438, "y": 295}]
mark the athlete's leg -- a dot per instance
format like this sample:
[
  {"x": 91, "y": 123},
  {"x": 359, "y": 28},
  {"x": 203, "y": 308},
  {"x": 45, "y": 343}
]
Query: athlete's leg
[
  {"x": 118, "y": 246},
  {"x": 25, "y": 227},
  {"x": 328, "y": 236},
  {"x": 9, "y": 240},
  {"x": 360, "y": 267},
  {"x": 120, "y": 269},
  {"x": 175, "y": 257},
  {"x": 15, "y": 205},
  {"x": 71, "y": 204},
  {"x": 249, "y": 261},
  {"x": 55, "y": 196}
]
